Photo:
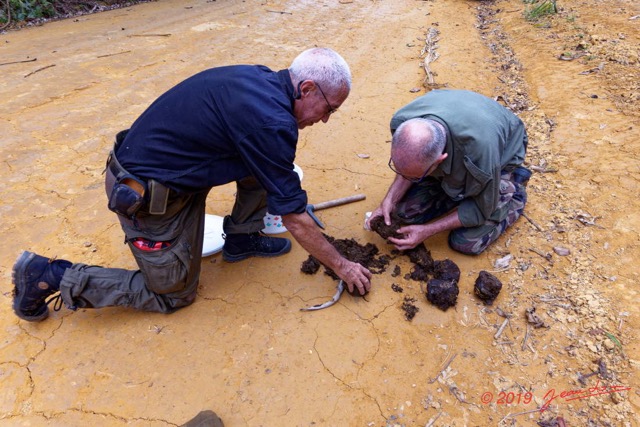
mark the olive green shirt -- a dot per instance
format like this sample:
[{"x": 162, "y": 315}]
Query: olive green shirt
[{"x": 483, "y": 139}]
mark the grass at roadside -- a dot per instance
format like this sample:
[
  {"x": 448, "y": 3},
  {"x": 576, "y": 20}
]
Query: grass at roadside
[{"x": 15, "y": 14}]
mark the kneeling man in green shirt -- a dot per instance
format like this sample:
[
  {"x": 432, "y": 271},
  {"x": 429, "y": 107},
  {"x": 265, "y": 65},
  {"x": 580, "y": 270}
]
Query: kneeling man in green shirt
[{"x": 458, "y": 160}]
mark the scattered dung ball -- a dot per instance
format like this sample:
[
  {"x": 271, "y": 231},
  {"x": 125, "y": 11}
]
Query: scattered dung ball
[
  {"x": 396, "y": 271},
  {"x": 421, "y": 256},
  {"x": 310, "y": 266},
  {"x": 442, "y": 293},
  {"x": 487, "y": 287},
  {"x": 409, "y": 308},
  {"x": 446, "y": 270},
  {"x": 397, "y": 288}
]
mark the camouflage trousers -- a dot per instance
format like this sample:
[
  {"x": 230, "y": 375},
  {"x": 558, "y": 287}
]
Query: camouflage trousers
[{"x": 426, "y": 201}]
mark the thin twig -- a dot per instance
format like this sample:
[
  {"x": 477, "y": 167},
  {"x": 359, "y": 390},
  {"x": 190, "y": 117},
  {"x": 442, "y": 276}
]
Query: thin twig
[
  {"x": 532, "y": 222},
  {"x": 543, "y": 255},
  {"x": 443, "y": 369},
  {"x": 113, "y": 54},
  {"x": 541, "y": 169},
  {"x": 519, "y": 413},
  {"x": 500, "y": 312},
  {"x": 454, "y": 390},
  {"x": 280, "y": 12},
  {"x": 19, "y": 62},
  {"x": 526, "y": 337},
  {"x": 149, "y": 35},
  {"x": 433, "y": 420},
  {"x": 40, "y": 69},
  {"x": 501, "y": 329}
]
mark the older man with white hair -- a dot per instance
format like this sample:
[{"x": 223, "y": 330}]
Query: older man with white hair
[{"x": 228, "y": 124}]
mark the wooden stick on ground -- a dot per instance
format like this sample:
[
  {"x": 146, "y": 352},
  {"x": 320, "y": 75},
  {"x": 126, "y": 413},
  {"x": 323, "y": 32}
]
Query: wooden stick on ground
[
  {"x": 40, "y": 69},
  {"x": 443, "y": 369},
  {"x": 532, "y": 222},
  {"x": 501, "y": 329},
  {"x": 112, "y": 54},
  {"x": 19, "y": 62},
  {"x": 526, "y": 337}
]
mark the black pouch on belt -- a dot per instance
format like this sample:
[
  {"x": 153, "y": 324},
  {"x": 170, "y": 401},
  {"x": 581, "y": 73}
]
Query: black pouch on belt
[
  {"x": 127, "y": 196},
  {"x": 158, "y": 197}
]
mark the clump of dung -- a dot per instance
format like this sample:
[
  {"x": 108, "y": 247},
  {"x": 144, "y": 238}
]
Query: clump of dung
[
  {"x": 442, "y": 293},
  {"x": 441, "y": 276},
  {"x": 420, "y": 256},
  {"x": 446, "y": 270},
  {"x": 487, "y": 287},
  {"x": 366, "y": 255},
  {"x": 310, "y": 266},
  {"x": 423, "y": 266},
  {"x": 385, "y": 231}
]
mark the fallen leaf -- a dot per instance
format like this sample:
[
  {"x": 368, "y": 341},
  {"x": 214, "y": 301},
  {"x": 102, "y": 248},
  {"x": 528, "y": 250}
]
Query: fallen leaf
[
  {"x": 503, "y": 262},
  {"x": 561, "y": 251}
]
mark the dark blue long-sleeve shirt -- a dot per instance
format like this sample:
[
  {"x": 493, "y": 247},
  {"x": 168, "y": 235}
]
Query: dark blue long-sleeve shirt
[{"x": 216, "y": 127}]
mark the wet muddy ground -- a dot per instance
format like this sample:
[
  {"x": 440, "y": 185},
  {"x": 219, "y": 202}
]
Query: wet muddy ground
[{"x": 566, "y": 318}]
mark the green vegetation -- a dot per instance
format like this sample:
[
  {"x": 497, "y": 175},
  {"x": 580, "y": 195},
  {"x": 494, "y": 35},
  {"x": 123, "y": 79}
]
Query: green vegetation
[
  {"x": 25, "y": 10},
  {"x": 540, "y": 9},
  {"x": 17, "y": 13}
]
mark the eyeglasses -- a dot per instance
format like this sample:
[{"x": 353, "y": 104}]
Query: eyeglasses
[
  {"x": 414, "y": 180},
  {"x": 331, "y": 109}
]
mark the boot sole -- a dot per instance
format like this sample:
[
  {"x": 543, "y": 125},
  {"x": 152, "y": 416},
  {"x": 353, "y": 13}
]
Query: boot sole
[
  {"x": 19, "y": 280},
  {"x": 235, "y": 258}
]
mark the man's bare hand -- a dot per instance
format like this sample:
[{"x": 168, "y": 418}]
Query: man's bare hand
[
  {"x": 384, "y": 210},
  {"x": 355, "y": 276},
  {"x": 413, "y": 236}
]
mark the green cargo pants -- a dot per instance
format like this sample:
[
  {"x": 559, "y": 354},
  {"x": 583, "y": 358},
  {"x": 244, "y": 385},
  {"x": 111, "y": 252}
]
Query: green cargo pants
[{"x": 166, "y": 279}]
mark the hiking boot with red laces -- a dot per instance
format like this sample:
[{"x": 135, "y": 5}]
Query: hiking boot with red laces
[
  {"x": 241, "y": 246},
  {"x": 35, "y": 278}
]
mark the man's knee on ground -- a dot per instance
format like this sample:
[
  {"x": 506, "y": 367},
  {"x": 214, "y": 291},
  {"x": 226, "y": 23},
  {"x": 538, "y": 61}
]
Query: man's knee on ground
[{"x": 467, "y": 247}]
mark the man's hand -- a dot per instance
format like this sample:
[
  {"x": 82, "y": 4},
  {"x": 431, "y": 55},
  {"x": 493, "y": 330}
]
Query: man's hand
[
  {"x": 383, "y": 210},
  {"x": 354, "y": 275},
  {"x": 305, "y": 231},
  {"x": 397, "y": 189},
  {"x": 413, "y": 236}
]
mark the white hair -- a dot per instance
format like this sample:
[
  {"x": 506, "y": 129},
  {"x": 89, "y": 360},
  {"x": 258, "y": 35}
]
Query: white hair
[{"x": 324, "y": 66}]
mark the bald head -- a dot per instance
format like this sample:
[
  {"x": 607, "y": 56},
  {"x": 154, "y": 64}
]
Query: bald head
[{"x": 420, "y": 140}]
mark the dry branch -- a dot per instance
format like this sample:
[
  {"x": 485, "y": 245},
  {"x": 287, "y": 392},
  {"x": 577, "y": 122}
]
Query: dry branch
[
  {"x": 40, "y": 69},
  {"x": 443, "y": 369},
  {"x": 430, "y": 55},
  {"x": 19, "y": 62}
]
